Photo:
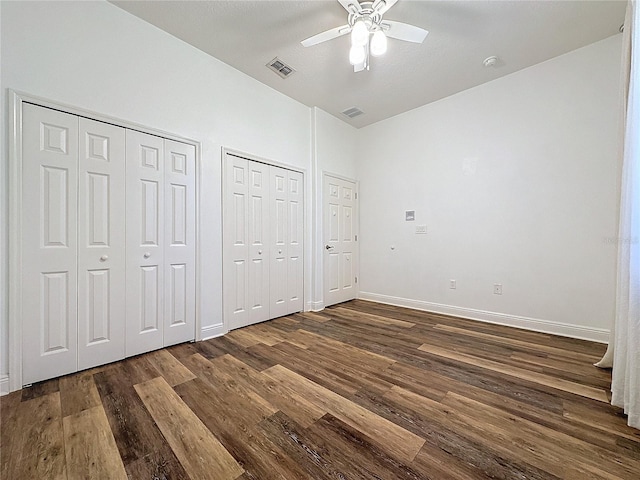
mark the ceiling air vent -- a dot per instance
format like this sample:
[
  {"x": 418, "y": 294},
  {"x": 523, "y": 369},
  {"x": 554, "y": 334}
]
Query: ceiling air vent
[
  {"x": 352, "y": 112},
  {"x": 280, "y": 67}
]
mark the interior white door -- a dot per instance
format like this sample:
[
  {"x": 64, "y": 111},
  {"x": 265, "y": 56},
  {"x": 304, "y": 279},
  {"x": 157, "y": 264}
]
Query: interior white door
[
  {"x": 258, "y": 245},
  {"x": 180, "y": 242},
  {"x": 340, "y": 245},
  {"x": 49, "y": 243},
  {"x": 278, "y": 284},
  {"x": 101, "y": 243},
  {"x": 145, "y": 242},
  {"x": 236, "y": 252},
  {"x": 295, "y": 237}
]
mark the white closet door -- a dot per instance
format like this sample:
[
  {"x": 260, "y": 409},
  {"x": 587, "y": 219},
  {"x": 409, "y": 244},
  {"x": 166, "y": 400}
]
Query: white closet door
[
  {"x": 279, "y": 242},
  {"x": 235, "y": 261},
  {"x": 101, "y": 243},
  {"x": 49, "y": 248},
  {"x": 180, "y": 242},
  {"x": 258, "y": 245},
  {"x": 295, "y": 235},
  {"x": 145, "y": 243}
]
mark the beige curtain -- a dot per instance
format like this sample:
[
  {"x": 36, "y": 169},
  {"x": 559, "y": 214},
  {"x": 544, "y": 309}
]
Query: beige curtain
[{"x": 623, "y": 353}]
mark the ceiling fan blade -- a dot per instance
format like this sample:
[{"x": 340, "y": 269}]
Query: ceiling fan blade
[
  {"x": 404, "y": 31},
  {"x": 351, "y": 6},
  {"x": 328, "y": 35},
  {"x": 383, "y": 5}
]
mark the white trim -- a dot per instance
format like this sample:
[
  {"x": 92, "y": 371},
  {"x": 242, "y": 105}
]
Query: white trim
[
  {"x": 339, "y": 177},
  {"x": 600, "y": 335},
  {"x": 4, "y": 384},
  {"x": 15, "y": 213},
  {"x": 266, "y": 161},
  {"x": 316, "y": 306},
  {"x": 213, "y": 331}
]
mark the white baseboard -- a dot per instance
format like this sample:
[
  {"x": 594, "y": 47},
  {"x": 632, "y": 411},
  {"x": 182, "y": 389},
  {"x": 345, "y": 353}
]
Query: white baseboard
[
  {"x": 212, "y": 331},
  {"x": 4, "y": 384},
  {"x": 599, "y": 335},
  {"x": 316, "y": 306}
]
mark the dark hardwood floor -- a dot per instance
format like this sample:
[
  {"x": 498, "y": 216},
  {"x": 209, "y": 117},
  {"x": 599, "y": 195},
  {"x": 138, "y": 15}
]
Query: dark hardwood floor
[{"x": 358, "y": 391}]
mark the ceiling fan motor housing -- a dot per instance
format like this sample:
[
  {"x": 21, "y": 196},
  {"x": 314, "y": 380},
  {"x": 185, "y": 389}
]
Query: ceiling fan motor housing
[{"x": 371, "y": 17}]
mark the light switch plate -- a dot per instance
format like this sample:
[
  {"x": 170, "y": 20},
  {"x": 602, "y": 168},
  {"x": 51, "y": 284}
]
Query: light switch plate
[{"x": 410, "y": 215}]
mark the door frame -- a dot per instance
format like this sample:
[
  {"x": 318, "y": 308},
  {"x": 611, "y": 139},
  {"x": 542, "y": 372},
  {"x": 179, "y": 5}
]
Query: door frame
[
  {"x": 16, "y": 101},
  {"x": 321, "y": 212},
  {"x": 305, "y": 222}
]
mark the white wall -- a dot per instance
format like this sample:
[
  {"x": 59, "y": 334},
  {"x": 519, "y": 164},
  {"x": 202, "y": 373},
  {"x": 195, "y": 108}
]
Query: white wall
[
  {"x": 334, "y": 152},
  {"x": 537, "y": 214},
  {"x": 95, "y": 56}
]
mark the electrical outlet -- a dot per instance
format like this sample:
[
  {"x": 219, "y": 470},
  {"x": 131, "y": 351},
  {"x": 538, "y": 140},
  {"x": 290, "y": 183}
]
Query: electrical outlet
[
  {"x": 421, "y": 229},
  {"x": 497, "y": 289},
  {"x": 452, "y": 284}
]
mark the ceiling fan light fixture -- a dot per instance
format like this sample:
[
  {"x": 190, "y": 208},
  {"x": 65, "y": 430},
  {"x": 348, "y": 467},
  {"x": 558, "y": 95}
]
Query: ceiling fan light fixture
[
  {"x": 378, "y": 44},
  {"x": 357, "y": 55},
  {"x": 359, "y": 34}
]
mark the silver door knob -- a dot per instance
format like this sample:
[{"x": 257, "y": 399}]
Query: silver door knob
[
  {"x": 279, "y": 252},
  {"x": 146, "y": 255},
  {"x": 259, "y": 252},
  {"x": 104, "y": 258},
  {"x": 328, "y": 247}
]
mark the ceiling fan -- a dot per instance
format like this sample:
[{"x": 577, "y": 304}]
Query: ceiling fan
[{"x": 369, "y": 31}]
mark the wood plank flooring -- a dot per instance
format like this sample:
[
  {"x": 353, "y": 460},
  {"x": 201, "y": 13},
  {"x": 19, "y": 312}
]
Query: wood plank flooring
[{"x": 358, "y": 391}]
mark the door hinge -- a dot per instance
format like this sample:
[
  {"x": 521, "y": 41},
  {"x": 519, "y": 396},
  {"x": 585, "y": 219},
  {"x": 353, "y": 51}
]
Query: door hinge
[
  {"x": 356, "y": 238},
  {"x": 356, "y": 195},
  {"x": 356, "y": 279}
]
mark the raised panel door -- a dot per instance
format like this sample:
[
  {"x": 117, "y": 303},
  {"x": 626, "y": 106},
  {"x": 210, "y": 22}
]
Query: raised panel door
[
  {"x": 235, "y": 269},
  {"x": 258, "y": 245},
  {"x": 295, "y": 236},
  {"x": 49, "y": 243},
  {"x": 278, "y": 220},
  {"x": 145, "y": 242},
  {"x": 101, "y": 243},
  {"x": 340, "y": 245},
  {"x": 180, "y": 242}
]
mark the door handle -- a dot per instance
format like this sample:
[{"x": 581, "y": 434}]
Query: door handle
[
  {"x": 328, "y": 247},
  {"x": 146, "y": 255},
  {"x": 259, "y": 252},
  {"x": 104, "y": 258}
]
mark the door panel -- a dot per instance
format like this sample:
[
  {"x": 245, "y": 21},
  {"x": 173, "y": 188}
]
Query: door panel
[
  {"x": 145, "y": 242},
  {"x": 295, "y": 219},
  {"x": 101, "y": 243},
  {"x": 279, "y": 251},
  {"x": 235, "y": 238},
  {"x": 263, "y": 242},
  {"x": 258, "y": 248},
  {"x": 180, "y": 243},
  {"x": 340, "y": 245},
  {"x": 49, "y": 243}
]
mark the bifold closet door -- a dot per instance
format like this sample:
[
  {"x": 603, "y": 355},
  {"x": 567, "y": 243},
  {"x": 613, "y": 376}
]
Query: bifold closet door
[
  {"x": 246, "y": 267},
  {"x": 101, "y": 243},
  {"x": 145, "y": 242},
  {"x": 287, "y": 228},
  {"x": 49, "y": 243},
  {"x": 161, "y": 243},
  {"x": 180, "y": 242}
]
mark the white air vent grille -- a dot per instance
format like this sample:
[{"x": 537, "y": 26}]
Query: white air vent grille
[
  {"x": 280, "y": 67},
  {"x": 352, "y": 112}
]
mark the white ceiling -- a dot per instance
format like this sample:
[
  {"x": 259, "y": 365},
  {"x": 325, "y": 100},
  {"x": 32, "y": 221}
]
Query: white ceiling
[{"x": 248, "y": 34}]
